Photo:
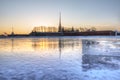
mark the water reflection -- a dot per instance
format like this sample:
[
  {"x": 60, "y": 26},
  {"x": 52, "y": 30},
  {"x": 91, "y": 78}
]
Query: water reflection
[
  {"x": 60, "y": 48},
  {"x": 48, "y": 46},
  {"x": 95, "y": 53},
  {"x": 44, "y": 44},
  {"x": 58, "y": 58},
  {"x": 56, "y": 44}
]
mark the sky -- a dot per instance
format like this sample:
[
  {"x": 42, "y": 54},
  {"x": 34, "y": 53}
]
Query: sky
[{"x": 24, "y": 15}]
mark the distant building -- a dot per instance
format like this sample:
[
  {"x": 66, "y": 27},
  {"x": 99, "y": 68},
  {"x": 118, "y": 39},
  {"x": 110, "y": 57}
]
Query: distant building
[
  {"x": 67, "y": 31},
  {"x": 12, "y": 33}
]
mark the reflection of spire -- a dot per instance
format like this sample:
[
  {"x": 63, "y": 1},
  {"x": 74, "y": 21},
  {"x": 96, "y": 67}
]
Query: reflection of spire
[
  {"x": 12, "y": 41},
  {"x": 60, "y": 48},
  {"x": 60, "y": 27}
]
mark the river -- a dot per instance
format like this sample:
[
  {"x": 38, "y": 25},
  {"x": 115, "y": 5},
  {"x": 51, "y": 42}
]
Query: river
[{"x": 59, "y": 58}]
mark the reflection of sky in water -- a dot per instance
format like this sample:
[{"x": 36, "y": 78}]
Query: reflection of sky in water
[
  {"x": 41, "y": 46},
  {"x": 36, "y": 44},
  {"x": 59, "y": 58}
]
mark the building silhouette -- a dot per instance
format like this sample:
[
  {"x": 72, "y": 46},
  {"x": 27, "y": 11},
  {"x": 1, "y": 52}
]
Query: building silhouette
[
  {"x": 65, "y": 31},
  {"x": 60, "y": 27},
  {"x": 12, "y": 33}
]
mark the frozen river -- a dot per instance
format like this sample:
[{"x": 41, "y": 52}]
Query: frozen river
[{"x": 60, "y": 58}]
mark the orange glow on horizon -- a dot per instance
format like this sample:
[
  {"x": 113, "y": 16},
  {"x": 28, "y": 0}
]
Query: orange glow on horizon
[{"x": 27, "y": 30}]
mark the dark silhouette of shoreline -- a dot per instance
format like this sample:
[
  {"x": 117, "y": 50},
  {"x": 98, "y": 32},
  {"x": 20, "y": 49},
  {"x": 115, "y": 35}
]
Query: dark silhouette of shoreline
[{"x": 95, "y": 33}]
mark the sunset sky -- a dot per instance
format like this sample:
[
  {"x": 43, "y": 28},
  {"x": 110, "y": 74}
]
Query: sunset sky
[{"x": 23, "y": 15}]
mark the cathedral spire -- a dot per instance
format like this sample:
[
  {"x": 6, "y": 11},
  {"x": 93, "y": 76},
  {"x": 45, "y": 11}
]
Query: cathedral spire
[{"x": 60, "y": 27}]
